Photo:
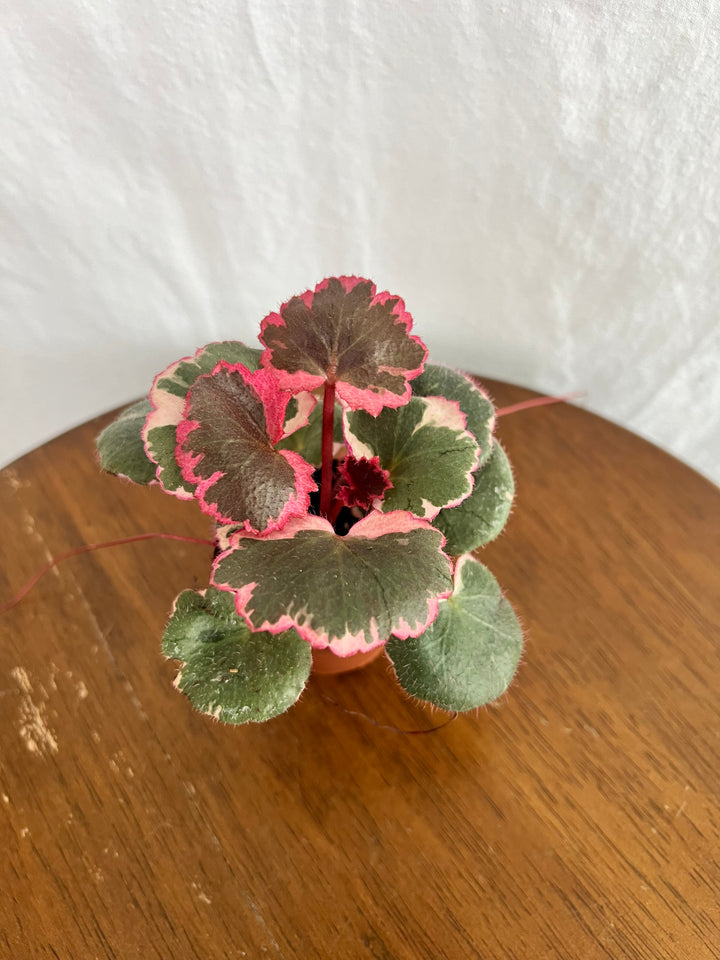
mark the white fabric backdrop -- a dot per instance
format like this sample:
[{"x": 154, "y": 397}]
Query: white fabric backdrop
[{"x": 539, "y": 180}]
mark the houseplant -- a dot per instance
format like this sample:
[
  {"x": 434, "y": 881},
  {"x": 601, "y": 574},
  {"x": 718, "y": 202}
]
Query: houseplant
[{"x": 349, "y": 481}]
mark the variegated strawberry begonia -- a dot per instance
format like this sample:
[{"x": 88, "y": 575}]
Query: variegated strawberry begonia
[{"x": 349, "y": 481}]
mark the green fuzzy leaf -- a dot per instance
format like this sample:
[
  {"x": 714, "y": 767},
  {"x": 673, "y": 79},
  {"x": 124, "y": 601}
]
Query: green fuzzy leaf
[
  {"x": 168, "y": 400},
  {"x": 181, "y": 376},
  {"x": 439, "y": 381},
  {"x": 425, "y": 448},
  {"x": 229, "y": 672},
  {"x": 120, "y": 445},
  {"x": 162, "y": 443},
  {"x": 350, "y": 593},
  {"x": 480, "y": 518},
  {"x": 469, "y": 654}
]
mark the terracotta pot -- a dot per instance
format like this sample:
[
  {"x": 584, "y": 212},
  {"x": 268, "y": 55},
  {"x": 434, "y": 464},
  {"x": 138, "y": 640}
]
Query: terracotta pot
[{"x": 326, "y": 662}]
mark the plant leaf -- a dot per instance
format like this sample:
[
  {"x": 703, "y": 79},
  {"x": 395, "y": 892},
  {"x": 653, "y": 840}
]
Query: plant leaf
[
  {"x": 120, "y": 446},
  {"x": 439, "y": 381},
  {"x": 229, "y": 672},
  {"x": 469, "y": 654},
  {"x": 167, "y": 398},
  {"x": 226, "y": 441},
  {"x": 480, "y": 518},
  {"x": 344, "y": 332},
  {"x": 349, "y": 593},
  {"x": 425, "y": 448}
]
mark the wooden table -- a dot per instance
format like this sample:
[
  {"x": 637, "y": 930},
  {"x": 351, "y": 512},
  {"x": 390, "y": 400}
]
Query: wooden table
[{"x": 579, "y": 818}]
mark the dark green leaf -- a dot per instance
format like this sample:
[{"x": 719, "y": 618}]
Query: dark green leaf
[
  {"x": 229, "y": 672},
  {"x": 120, "y": 446},
  {"x": 468, "y": 655},
  {"x": 480, "y": 518},
  {"x": 439, "y": 381}
]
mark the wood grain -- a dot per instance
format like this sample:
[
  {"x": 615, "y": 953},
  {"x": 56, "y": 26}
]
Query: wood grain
[{"x": 577, "y": 818}]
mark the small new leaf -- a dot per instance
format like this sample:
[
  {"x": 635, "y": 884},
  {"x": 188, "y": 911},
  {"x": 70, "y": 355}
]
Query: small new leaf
[
  {"x": 227, "y": 671},
  {"x": 469, "y": 654},
  {"x": 349, "y": 593},
  {"x": 120, "y": 446},
  {"x": 362, "y": 481},
  {"x": 345, "y": 333},
  {"x": 425, "y": 448},
  {"x": 480, "y": 518}
]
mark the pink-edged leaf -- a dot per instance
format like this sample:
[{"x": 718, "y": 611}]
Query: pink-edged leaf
[
  {"x": 387, "y": 575},
  {"x": 167, "y": 399},
  {"x": 473, "y": 400},
  {"x": 229, "y": 672},
  {"x": 226, "y": 441},
  {"x": 362, "y": 482},
  {"x": 346, "y": 333},
  {"x": 426, "y": 450},
  {"x": 297, "y": 414}
]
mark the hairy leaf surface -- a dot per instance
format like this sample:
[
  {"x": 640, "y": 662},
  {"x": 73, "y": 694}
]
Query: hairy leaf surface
[
  {"x": 439, "y": 381},
  {"x": 229, "y": 672},
  {"x": 425, "y": 448},
  {"x": 120, "y": 445},
  {"x": 233, "y": 418},
  {"x": 468, "y": 655},
  {"x": 350, "y": 593},
  {"x": 345, "y": 333},
  {"x": 480, "y": 518},
  {"x": 167, "y": 398}
]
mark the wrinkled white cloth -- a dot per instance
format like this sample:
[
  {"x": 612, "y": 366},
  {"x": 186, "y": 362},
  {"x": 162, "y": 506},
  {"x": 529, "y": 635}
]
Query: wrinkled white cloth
[{"x": 539, "y": 180}]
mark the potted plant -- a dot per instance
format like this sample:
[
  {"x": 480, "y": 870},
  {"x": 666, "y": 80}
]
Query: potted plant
[{"x": 350, "y": 482}]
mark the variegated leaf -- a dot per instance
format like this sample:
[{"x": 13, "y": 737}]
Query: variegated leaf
[
  {"x": 424, "y": 446},
  {"x": 345, "y": 333},
  {"x": 480, "y": 518},
  {"x": 349, "y": 593},
  {"x": 468, "y": 655},
  {"x": 439, "y": 381},
  {"x": 167, "y": 398},
  {"x": 233, "y": 419},
  {"x": 228, "y": 671},
  {"x": 120, "y": 446}
]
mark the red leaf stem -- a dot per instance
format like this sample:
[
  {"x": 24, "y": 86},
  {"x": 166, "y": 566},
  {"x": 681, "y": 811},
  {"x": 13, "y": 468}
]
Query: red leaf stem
[
  {"x": 536, "y": 402},
  {"x": 328, "y": 426},
  {"x": 87, "y": 548}
]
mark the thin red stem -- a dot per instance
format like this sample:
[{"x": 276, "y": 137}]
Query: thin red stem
[
  {"x": 387, "y": 726},
  {"x": 328, "y": 427},
  {"x": 536, "y": 402},
  {"x": 87, "y": 548}
]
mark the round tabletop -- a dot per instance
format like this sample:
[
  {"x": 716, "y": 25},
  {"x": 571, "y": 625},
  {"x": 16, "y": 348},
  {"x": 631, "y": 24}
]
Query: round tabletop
[{"x": 578, "y": 817}]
